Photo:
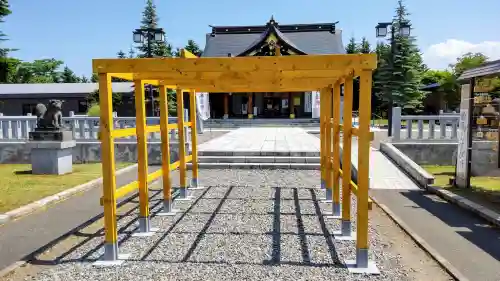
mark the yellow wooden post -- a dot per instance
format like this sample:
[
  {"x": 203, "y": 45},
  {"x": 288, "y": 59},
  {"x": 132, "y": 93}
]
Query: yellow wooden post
[
  {"x": 363, "y": 176},
  {"x": 346, "y": 160},
  {"x": 142, "y": 157},
  {"x": 182, "y": 146},
  {"x": 108, "y": 171},
  {"x": 322, "y": 132},
  {"x": 336, "y": 150},
  {"x": 165, "y": 155},
  {"x": 195, "y": 184},
  {"x": 326, "y": 103}
]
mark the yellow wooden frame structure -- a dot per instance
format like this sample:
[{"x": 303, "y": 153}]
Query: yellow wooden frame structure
[{"x": 325, "y": 73}]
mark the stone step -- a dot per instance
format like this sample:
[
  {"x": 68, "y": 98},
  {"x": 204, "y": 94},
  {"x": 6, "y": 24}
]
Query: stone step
[
  {"x": 258, "y": 153},
  {"x": 257, "y": 159},
  {"x": 262, "y": 166}
]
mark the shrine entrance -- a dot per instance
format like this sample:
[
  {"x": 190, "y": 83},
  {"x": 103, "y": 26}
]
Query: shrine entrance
[{"x": 278, "y": 74}]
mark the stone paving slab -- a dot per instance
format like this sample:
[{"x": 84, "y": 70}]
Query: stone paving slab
[
  {"x": 384, "y": 174},
  {"x": 263, "y": 142}
]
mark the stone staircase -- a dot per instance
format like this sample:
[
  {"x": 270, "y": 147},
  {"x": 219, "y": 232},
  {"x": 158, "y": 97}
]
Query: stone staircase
[
  {"x": 254, "y": 160},
  {"x": 245, "y": 123}
]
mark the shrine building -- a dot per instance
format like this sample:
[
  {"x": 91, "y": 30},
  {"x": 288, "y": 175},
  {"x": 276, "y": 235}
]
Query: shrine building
[{"x": 261, "y": 40}]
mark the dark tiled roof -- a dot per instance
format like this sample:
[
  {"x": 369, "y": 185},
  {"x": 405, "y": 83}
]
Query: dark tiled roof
[
  {"x": 314, "y": 39},
  {"x": 486, "y": 69},
  {"x": 265, "y": 34},
  {"x": 66, "y": 89}
]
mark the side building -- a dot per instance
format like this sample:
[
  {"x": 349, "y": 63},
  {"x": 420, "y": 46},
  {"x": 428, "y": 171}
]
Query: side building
[
  {"x": 292, "y": 39},
  {"x": 21, "y": 99}
]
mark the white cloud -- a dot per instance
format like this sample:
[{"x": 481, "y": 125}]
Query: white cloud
[{"x": 439, "y": 56}]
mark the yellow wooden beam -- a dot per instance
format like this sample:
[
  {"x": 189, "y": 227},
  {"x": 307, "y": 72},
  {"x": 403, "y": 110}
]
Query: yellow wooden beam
[
  {"x": 175, "y": 165},
  {"x": 154, "y": 175},
  {"x": 153, "y": 128},
  {"x": 108, "y": 160},
  {"x": 172, "y": 126},
  {"x": 354, "y": 189},
  {"x": 252, "y": 75},
  {"x": 187, "y": 54},
  {"x": 189, "y": 158},
  {"x": 274, "y": 63},
  {"x": 121, "y": 133},
  {"x": 130, "y": 77},
  {"x": 142, "y": 149},
  {"x": 235, "y": 86}
]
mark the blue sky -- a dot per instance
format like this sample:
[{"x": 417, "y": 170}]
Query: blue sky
[{"x": 77, "y": 31}]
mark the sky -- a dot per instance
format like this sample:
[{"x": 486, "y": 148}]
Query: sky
[{"x": 78, "y": 31}]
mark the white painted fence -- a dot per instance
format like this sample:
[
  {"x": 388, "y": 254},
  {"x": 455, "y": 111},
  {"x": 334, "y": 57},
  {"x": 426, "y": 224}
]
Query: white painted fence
[
  {"x": 84, "y": 128},
  {"x": 426, "y": 127}
]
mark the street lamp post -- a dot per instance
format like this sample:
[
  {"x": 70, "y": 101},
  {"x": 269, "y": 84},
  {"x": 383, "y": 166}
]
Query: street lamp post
[
  {"x": 150, "y": 34},
  {"x": 403, "y": 30}
]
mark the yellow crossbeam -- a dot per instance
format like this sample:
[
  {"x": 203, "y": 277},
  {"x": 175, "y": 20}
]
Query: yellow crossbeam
[
  {"x": 260, "y": 63},
  {"x": 121, "y": 133},
  {"x": 354, "y": 189}
]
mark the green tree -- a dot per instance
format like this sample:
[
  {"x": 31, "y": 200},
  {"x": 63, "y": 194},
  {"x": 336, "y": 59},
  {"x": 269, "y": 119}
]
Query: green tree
[
  {"x": 150, "y": 20},
  {"x": 402, "y": 79},
  {"x": 84, "y": 79},
  {"x": 193, "y": 48},
  {"x": 131, "y": 53},
  {"x": 94, "y": 78},
  {"x": 4, "y": 11},
  {"x": 352, "y": 47},
  {"x": 68, "y": 76},
  {"x": 121, "y": 54},
  {"x": 467, "y": 61},
  {"x": 38, "y": 71},
  {"x": 364, "y": 47}
]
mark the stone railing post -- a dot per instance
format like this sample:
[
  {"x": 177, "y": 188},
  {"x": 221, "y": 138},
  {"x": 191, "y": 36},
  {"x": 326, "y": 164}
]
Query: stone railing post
[{"x": 396, "y": 123}]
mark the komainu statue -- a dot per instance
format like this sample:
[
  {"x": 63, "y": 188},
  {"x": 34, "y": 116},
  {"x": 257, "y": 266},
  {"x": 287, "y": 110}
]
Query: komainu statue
[{"x": 49, "y": 117}]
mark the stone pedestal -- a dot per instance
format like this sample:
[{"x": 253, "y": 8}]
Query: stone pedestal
[{"x": 52, "y": 157}]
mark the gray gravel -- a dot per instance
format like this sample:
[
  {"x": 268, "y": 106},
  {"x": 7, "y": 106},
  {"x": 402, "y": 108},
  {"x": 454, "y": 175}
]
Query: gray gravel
[{"x": 231, "y": 232}]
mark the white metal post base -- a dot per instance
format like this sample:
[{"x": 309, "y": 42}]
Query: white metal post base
[
  {"x": 167, "y": 209},
  {"x": 335, "y": 213},
  {"x": 362, "y": 265},
  {"x": 195, "y": 185},
  {"x": 328, "y": 196},
  {"x": 111, "y": 256},
  {"x": 345, "y": 234},
  {"x": 145, "y": 230},
  {"x": 320, "y": 186},
  {"x": 184, "y": 195}
]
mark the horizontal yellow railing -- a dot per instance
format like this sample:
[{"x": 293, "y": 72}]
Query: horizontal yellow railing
[
  {"x": 129, "y": 132},
  {"x": 354, "y": 131},
  {"x": 133, "y": 186},
  {"x": 354, "y": 189}
]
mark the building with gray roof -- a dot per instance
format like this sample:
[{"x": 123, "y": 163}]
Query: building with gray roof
[
  {"x": 261, "y": 40},
  {"x": 20, "y": 99}
]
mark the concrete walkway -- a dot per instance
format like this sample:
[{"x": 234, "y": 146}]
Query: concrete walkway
[
  {"x": 22, "y": 237},
  {"x": 264, "y": 141},
  {"x": 466, "y": 241},
  {"x": 37, "y": 231}
]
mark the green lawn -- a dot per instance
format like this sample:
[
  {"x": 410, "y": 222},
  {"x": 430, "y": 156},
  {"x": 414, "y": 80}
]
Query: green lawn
[
  {"x": 484, "y": 190},
  {"x": 19, "y": 187}
]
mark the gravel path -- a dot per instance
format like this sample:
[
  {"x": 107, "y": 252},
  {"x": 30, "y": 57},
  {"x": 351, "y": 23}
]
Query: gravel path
[{"x": 248, "y": 225}]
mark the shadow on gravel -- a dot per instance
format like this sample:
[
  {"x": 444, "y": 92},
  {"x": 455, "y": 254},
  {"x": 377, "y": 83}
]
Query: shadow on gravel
[
  {"x": 276, "y": 234},
  {"x": 78, "y": 232},
  {"x": 477, "y": 230}
]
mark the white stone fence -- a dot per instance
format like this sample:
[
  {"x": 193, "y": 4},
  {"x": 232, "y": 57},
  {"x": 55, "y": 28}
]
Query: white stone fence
[
  {"x": 84, "y": 128},
  {"x": 430, "y": 128}
]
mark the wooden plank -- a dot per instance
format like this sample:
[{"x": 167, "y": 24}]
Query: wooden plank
[
  {"x": 274, "y": 63},
  {"x": 187, "y": 54},
  {"x": 234, "y": 86},
  {"x": 253, "y": 75}
]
